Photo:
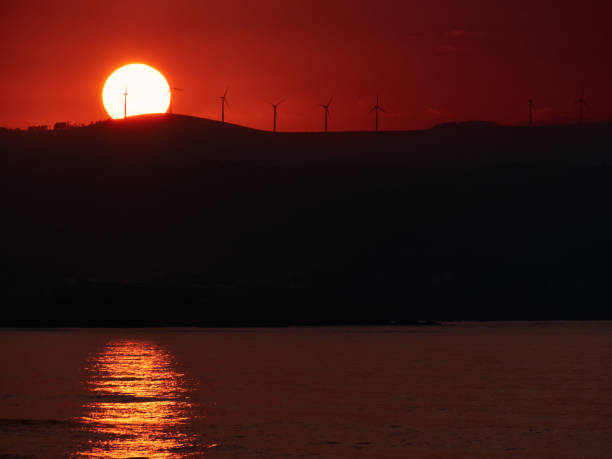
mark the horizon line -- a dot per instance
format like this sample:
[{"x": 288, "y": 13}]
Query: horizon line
[{"x": 75, "y": 125}]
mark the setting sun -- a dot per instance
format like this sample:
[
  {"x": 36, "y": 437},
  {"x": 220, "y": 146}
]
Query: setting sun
[{"x": 135, "y": 89}]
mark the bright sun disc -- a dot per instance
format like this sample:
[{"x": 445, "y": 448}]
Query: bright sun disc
[{"x": 147, "y": 91}]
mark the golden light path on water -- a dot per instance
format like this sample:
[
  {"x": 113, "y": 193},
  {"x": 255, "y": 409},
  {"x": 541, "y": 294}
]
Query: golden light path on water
[{"x": 140, "y": 404}]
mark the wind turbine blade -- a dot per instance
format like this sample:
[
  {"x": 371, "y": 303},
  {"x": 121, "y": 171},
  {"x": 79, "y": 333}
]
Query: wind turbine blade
[
  {"x": 177, "y": 89},
  {"x": 225, "y": 93},
  {"x": 226, "y": 102},
  {"x": 382, "y": 109},
  {"x": 372, "y": 109},
  {"x": 330, "y": 101}
]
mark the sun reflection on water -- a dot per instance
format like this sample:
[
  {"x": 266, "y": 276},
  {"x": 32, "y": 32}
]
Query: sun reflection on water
[{"x": 139, "y": 405}]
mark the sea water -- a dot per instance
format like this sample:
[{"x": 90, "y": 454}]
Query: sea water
[{"x": 458, "y": 390}]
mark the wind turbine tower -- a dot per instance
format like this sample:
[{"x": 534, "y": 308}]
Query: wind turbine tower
[
  {"x": 223, "y": 104},
  {"x": 326, "y": 111},
  {"x": 376, "y": 108},
  {"x": 171, "y": 92},
  {"x": 275, "y": 106},
  {"x": 125, "y": 94}
]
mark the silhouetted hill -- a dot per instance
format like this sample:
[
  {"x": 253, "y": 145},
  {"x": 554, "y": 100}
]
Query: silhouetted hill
[{"x": 221, "y": 224}]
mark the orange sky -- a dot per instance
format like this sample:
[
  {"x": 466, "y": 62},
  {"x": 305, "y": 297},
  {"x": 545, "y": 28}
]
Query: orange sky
[{"x": 430, "y": 61}]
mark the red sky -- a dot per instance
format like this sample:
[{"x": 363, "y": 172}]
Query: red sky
[{"x": 430, "y": 61}]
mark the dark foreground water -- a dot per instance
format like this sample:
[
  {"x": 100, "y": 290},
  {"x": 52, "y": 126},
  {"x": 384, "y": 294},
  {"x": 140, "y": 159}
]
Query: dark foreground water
[{"x": 524, "y": 390}]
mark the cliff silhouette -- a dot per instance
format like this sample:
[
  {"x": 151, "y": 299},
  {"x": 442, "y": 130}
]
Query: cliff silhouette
[{"x": 176, "y": 220}]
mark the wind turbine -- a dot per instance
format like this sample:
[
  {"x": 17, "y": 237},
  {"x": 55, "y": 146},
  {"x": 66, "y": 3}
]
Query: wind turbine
[
  {"x": 125, "y": 94},
  {"x": 581, "y": 103},
  {"x": 326, "y": 111},
  {"x": 274, "y": 106},
  {"x": 376, "y": 108},
  {"x": 530, "y": 112},
  {"x": 223, "y": 104},
  {"x": 171, "y": 92}
]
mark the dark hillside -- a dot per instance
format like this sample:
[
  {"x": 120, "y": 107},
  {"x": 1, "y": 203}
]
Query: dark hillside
[{"x": 221, "y": 224}]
